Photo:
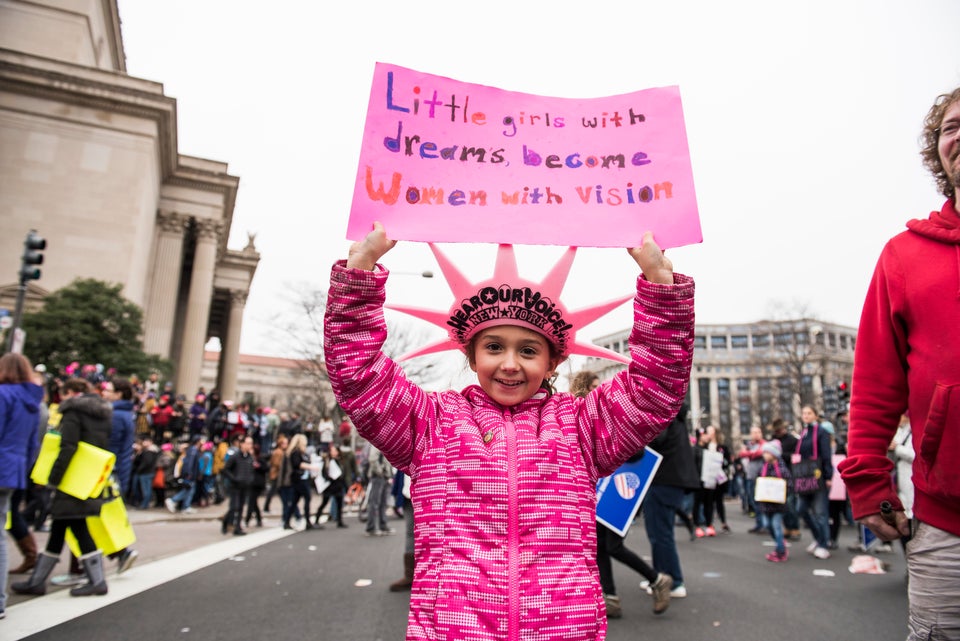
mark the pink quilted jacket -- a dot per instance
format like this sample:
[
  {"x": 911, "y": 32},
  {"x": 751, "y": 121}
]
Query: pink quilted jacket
[{"x": 504, "y": 497}]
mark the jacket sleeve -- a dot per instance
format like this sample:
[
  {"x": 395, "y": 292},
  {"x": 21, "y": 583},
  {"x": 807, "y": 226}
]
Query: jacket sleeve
[
  {"x": 386, "y": 408},
  {"x": 69, "y": 439},
  {"x": 620, "y": 417},
  {"x": 878, "y": 391},
  {"x": 229, "y": 469},
  {"x": 33, "y": 443},
  {"x": 825, "y": 454}
]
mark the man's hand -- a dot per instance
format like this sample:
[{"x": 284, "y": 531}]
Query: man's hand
[
  {"x": 656, "y": 267},
  {"x": 365, "y": 254},
  {"x": 886, "y": 531}
]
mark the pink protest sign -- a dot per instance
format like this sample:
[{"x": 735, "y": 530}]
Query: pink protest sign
[{"x": 449, "y": 161}]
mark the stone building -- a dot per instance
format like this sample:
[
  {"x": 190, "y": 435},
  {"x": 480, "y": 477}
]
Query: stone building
[
  {"x": 89, "y": 158},
  {"x": 751, "y": 373}
]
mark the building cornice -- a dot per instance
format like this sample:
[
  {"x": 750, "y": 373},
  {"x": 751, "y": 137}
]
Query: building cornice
[
  {"x": 109, "y": 91},
  {"x": 118, "y": 93}
]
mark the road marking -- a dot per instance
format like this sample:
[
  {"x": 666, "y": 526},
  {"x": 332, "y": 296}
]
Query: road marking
[{"x": 42, "y": 613}]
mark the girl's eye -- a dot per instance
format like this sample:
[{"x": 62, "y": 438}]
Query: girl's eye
[{"x": 528, "y": 351}]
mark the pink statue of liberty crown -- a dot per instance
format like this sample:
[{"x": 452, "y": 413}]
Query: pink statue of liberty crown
[{"x": 508, "y": 299}]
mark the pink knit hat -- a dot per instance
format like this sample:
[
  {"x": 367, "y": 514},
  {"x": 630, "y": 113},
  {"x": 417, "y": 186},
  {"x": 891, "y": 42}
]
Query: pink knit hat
[{"x": 508, "y": 299}]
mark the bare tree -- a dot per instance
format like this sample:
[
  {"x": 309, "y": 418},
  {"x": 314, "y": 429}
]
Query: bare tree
[
  {"x": 797, "y": 347},
  {"x": 300, "y": 334}
]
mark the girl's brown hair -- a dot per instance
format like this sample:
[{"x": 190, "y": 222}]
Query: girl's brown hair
[
  {"x": 580, "y": 384},
  {"x": 15, "y": 368}
]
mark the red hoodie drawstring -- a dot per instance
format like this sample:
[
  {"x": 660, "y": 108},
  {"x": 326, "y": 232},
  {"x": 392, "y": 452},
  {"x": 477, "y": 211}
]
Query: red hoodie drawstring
[{"x": 957, "y": 247}]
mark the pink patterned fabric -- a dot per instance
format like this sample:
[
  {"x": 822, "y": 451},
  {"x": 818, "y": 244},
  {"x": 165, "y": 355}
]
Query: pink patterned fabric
[{"x": 504, "y": 498}]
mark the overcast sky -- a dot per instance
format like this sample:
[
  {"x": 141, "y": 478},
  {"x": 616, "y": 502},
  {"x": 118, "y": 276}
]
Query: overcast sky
[{"x": 802, "y": 118}]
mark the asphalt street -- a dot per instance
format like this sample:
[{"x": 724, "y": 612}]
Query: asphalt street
[{"x": 191, "y": 582}]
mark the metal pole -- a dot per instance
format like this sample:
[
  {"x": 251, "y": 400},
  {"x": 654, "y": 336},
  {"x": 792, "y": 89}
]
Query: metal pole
[{"x": 17, "y": 314}]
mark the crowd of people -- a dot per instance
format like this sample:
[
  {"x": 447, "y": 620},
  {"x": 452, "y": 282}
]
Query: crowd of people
[{"x": 172, "y": 457}]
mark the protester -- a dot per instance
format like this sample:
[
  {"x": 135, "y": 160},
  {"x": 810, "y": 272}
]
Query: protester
[
  {"x": 119, "y": 393},
  {"x": 907, "y": 360},
  {"x": 508, "y": 455},
  {"x": 273, "y": 476},
  {"x": 409, "y": 544},
  {"x": 705, "y": 500},
  {"x": 752, "y": 457},
  {"x": 186, "y": 471},
  {"x": 903, "y": 455},
  {"x": 676, "y": 477},
  {"x": 788, "y": 443},
  {"x": 771, "y": 512},
  {"x": 300, "y": 468},
  {"x": 160, "y": 416},
  {"x": 197, "y": 416},
  {"x": 610, "y": 545},
  {"x": 145, "y": 470},
  {"x": 261, "y": 463},
  {"x": 813, "y": 505},
  {"x": 20, "y": 399},
  {"x": 332, "y": 473},
  {"x": 85, "y": 418},
  {"x": 238, "y": 470},
  {"x": 378, "y": 482}
]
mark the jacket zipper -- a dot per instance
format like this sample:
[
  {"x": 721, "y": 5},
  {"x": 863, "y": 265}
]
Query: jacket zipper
[{"x": 513, "y": 533}]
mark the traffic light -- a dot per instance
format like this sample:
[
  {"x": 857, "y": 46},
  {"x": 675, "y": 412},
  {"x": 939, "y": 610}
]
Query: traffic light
[
  {"x": 843, "y": 393},
  {"x": 830, "y": 400},
  {"x": 32, "y": 246}
]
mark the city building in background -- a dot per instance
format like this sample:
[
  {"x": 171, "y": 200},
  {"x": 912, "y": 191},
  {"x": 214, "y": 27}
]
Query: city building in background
[
  {"x": 286, "y": 384},
  {"x": 752, "y": 373},
  {"x": 89, "y": 158}
]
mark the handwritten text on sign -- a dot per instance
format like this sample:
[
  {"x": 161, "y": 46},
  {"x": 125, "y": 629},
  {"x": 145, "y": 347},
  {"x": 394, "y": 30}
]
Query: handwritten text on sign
[{"x": 447, "y": 161}]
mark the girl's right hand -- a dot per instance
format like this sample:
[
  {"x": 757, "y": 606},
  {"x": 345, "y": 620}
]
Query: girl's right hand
[
  {"x": 654, "y": 264},
  {"x": 366, "y": 253}
]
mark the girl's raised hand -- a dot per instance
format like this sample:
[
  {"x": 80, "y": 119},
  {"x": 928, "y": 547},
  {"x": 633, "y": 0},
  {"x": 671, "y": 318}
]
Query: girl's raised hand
[
  {"x": 656, "y": 267},
  {"x": 366, "y": 253}
]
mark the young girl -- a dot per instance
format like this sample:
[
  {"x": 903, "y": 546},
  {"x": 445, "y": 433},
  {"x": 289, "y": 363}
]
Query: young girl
[
  {"x": 771, "y": 514},
  {"x": 504, "y": 473}
]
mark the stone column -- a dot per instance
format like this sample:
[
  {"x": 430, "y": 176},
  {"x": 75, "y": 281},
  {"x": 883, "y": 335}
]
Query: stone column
[
  {"x": 696, "y": 405},
  {"x": 160, "y": 312},
  {"x": 231, "y": 347},
  {"x": 198, "y": 306},
  {"x": 714, "y": 402}
]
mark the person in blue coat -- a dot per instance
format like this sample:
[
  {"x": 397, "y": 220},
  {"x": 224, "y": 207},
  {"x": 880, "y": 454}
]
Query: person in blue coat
[
  {"x": 119, "y": 392},
  {"x": 20, "y": 401}
]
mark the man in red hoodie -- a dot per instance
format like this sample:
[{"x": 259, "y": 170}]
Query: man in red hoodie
[{"x": 908, "y": 360}]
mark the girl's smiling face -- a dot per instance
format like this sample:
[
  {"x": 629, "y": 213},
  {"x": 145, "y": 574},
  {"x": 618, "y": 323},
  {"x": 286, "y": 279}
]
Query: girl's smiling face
[{"x": 511, "y": 363}]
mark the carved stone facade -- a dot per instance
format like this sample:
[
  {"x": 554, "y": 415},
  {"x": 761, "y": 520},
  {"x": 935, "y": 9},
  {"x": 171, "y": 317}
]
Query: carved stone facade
[{"x": 88, "y": 158}]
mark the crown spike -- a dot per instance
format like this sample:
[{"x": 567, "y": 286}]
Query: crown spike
[
  {"x": 457, "y": 282},
  {"x": 433, "y": 316},
  {"x": 584, "y": 349},
  {"x": 505, "y": 270},
  {"x": 583, "y": 317},
  {"x": 442, "y": 345},
  {"x": 557, "y": 278}
]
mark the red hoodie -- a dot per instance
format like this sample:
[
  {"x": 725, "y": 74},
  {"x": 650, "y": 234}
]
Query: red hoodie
[{"x": 908, "y": 359}]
